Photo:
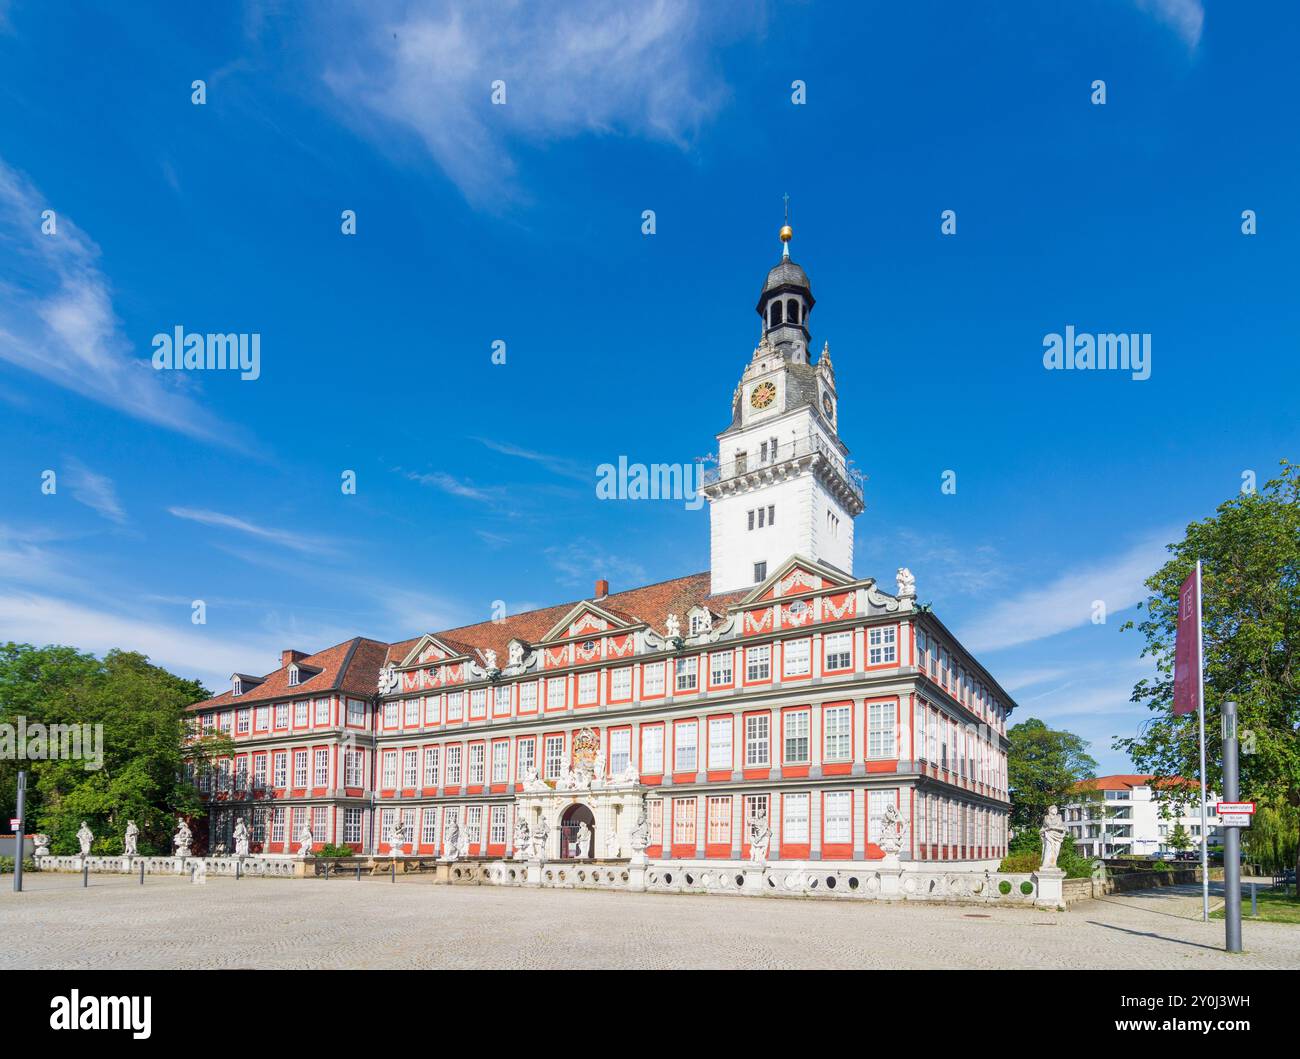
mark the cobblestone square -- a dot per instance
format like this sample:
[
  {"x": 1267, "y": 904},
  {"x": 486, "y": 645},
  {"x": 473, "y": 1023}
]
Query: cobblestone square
[{"x": 312, "y": 923}]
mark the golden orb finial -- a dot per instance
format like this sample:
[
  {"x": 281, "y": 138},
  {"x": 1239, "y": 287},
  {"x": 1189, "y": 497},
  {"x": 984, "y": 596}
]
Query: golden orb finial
[{"x": 786, "y": 233}]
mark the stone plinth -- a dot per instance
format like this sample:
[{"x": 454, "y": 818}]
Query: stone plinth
[{"x": 1049, "y": 891}]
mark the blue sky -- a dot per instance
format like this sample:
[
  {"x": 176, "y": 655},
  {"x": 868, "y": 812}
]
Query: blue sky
[{"x": 522, "y": 223}]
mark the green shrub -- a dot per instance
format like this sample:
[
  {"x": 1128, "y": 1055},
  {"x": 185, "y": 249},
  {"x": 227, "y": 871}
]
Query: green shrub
[
  {"x": 1022, "y": 861},
  {"x": 1026, "y": 887},
  {"x": 7, "y": 865},
  {"x": 330, "y": 850},
  {"x": 1004, "y": 887}
]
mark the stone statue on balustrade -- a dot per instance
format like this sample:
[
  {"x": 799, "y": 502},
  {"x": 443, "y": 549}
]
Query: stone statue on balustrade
[
  {"x": 1053, "y": 834},
  {"x": 641, "y": 832},
  {"x": 182, "y": 839},
  {"x": 42, "y": 845},
  {"x": 305, "y": 840},
  {"x": 131, "y": 841},
  {"x": 241, "y": 838},
  {"x": 85, "y": 836},
  {"x": 893, "y": 829},
  {"x": 541, "y": 832},
  {"x": 522, "y": 839},
  {"x": 760, "y": 838},
  {"x": 583, "y": 841}
]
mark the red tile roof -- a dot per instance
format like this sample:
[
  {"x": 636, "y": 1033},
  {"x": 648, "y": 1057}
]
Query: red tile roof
[
  {"x": 1126, "y": 782},
  {"x": 353, "y": 666}
]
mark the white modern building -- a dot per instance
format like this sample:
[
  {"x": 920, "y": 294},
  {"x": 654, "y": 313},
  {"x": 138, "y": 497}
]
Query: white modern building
[{"x": 1126, "y": 814}]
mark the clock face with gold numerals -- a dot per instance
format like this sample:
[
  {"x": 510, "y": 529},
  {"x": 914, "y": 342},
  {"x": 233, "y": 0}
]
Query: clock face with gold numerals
[
  {"x": 828, "y": 405},
  {"x": 762, "y": 395}
]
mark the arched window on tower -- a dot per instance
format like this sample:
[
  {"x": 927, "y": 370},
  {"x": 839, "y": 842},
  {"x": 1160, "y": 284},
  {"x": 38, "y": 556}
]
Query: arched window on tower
[
  {"x": 776, "y": 314},
  {"x": 792, "y": 311}
]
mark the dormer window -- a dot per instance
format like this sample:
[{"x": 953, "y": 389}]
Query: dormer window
[
  {"x": 236, "y": 687},
  {"x": 697, "y": 624},
  {"x": 295, "y": 676}
]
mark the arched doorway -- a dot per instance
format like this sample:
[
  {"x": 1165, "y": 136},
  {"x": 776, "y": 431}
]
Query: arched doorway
[{"x": 574, "y": 816}]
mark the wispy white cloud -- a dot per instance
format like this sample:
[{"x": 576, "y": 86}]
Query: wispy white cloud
[
  {"x": 96, "y": 491},
  {"x": 581, "y": 562},
  {"x": 1185, "y": 17},
  {"x": 298, "y": 542},
  {"x": 560, "y": 465},
  {"x": 1067, "y": 601},
  {"x": 588, "y": 66},
  {"x": 449, "y": 484},
  {"x": 57, "y": 318}
]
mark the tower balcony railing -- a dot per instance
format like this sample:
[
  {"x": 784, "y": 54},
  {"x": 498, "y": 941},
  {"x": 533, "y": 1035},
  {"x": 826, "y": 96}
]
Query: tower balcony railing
[{"x": 756, "y": 466}]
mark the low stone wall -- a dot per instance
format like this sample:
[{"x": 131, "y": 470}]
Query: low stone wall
[
  {"x": 1084, "y": 889},
  {"x": 861, "y": 882}
]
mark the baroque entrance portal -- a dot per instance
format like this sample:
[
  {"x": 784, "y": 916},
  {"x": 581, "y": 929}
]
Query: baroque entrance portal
[{"x": 570, "y": 832}]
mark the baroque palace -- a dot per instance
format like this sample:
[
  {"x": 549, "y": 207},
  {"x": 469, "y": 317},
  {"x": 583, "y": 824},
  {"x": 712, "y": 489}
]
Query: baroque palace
[{"x": 774, "y": 707}]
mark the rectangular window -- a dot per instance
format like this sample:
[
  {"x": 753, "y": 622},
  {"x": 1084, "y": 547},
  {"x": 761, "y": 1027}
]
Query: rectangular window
[
  {"x": 794, "y": 819},
  {"x": 261, "y": 718},
  {"x": 719, "y": 821},
  {"x": 455, "y": 706},
  {"x": 587, "y": 687},
  {"x": 321, "y": 771},
  {"x": 390, "y": 770},
  {"x": 282, "y": 715},
  {"x": 319, "y": 824},
  {"x": 881, "y": 646},
  {"x": 758, "y": 663},
  {"x": 474, "y": 824},
  {"x": 554, "y": 761},
  {"x": 620, "y": 750},
  {"x": 876, "y": 803},
  {"x": 795, "y": 655},
  {"x": 839, "y": 650},
  {"x": 837, "y": 828},
  {"x": 390, "y": 714},
  {"x": 685, "y": 743},
  {"x": 760, "y": 573},
  {"x": 322, "y": 713},
  {"x": 259, "y": 772},
  {"x": 352, "y": 825},
  {"x": 478, "y": 704},
  {"x": 431, "y": 766},
  {"x": 500, "y": 761},
  {"x": 429, "y": 828},
  {"x": 652, "y": 679},
  {"x": 453, "y": 765},
  {"x": 656, "y": 820},
  {"x": 497, "y": 826},
  {"x": 241, "y": 722},
  {"x": 683, "y": 821},
  {"x": 411, "y": 713},
  {"x": 241, "y": 773},
  {"x": 880, "y": 729},
  {"x": 501, "y": 701},
  {"x": 279, "y": 765},
  {"x": 528, "y": 697},
  {"x": 410, "y": 768},
  {"x": 477, "y": 763},
  {"x": 720, "y": 743},
  {"x": 277, "y": 824},
  {"x": 527, "y": 757},
  {"x": 620, "y": 684},
  {"x": 300, "y": 769},
  {"x": 356, "y": 715},
  {"x": 555, "y": 693},
  {"x": 758, "y": 740},
  {"x": 432, "y": 709},
  {"x": 837, "y": 724},
  {"x": 795, "y": 729},
  {"x": 353, "y": 765},
  {"x": 652, "y": 750},
  {"x": 720, "y": 668},
  {"x": 688, "y": 674}
]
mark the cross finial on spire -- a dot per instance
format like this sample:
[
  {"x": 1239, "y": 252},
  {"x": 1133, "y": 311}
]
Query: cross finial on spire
[{"x": 786, "y": 230}]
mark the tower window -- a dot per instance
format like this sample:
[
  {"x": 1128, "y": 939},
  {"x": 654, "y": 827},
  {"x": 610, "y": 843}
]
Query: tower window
[
  {"x": 832, "y": 525},
  {"x": 761, "y": 513},
  {"x": 776, "y": 313},
  {"x": 760, "y": 572},
  {"x": 751, "y": 520},
  {"x": 792, "y": 311},
  {"x": 771, "y": 514}
]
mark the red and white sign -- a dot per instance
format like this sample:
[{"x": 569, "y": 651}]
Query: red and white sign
[
  {"x": 1187, "y": 647},
  {"x": 1237, "y": 808},
  {"x": 14, "y": 824}
]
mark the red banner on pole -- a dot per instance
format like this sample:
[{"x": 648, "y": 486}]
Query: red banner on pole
[{"x": 1187, "y": 647}]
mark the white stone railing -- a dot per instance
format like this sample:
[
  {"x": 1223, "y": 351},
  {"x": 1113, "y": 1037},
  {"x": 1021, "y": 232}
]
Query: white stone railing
[{"x": 265, "y": 867}]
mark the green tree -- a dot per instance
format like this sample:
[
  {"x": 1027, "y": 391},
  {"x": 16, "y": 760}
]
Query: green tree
[
  {"x": 146, "y": 740},
  {"x": 1250, "y": 555},
  {"x": 1179, "y": 839},
  {"x": 1043, "y": 767}
]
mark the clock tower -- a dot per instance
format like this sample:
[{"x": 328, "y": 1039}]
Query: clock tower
[{"x": 782, "y": 485}]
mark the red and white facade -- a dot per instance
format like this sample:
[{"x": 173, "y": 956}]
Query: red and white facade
[{"x": 774, "y": 683}]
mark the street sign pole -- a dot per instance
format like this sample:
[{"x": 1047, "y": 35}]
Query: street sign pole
[
  {"x": 19, "y": 844},
  {"x": 1200, "y": 709},
  {"x": 1231, "y": 835}
]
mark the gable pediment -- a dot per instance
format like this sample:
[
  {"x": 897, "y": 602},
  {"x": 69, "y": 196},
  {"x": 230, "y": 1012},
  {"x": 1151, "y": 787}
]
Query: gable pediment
[
  {"x": 430, "y": 651},
  {"x": 585, "y": 619},
  {"x": 795, "y": 577}
]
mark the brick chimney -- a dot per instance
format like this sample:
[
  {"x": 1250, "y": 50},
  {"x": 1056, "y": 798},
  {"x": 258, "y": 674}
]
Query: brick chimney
[
  {"x": 602, "y": 589},
  {"x": 288, "y": 657}
]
